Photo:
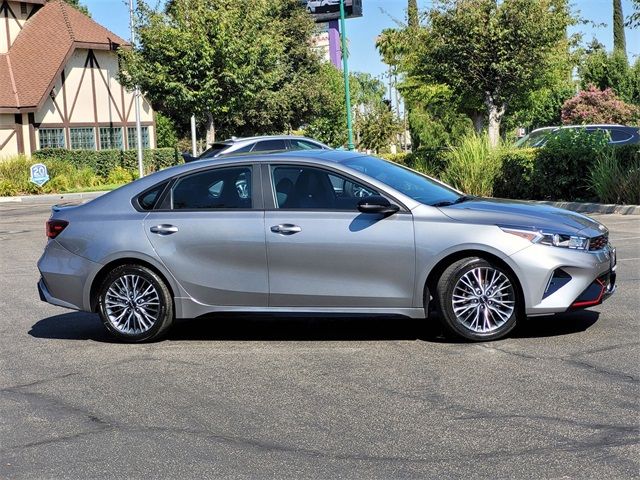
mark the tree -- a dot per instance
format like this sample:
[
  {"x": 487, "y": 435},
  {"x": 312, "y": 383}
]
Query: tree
[
  {"x": 165, "y": 132},
  {"x": 79, "y": 6},
  {"x": 491, "y": 53},
  {"x": 598, "y": 106},
  {"x": 633, "y": 21},
  {"x": 412, "y": 14},
  {"x": 379, "y": 127},
  {"x": 241, "y": 69},
  {"x": 619, "y": 41},
  {"x": 607, "y": 70}
]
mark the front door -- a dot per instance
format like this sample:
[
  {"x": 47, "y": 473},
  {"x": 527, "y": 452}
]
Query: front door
[
  {"x": 211, "y": 237},
  {"x": 323, "y": 252}
]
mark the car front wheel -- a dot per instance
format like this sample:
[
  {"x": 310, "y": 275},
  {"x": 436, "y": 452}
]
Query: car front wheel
[
  {"x": 134, "y": 304},
  {"x": 478, "y": 299}
]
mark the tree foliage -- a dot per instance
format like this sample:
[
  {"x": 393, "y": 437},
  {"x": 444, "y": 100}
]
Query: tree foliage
[
  {"x": 598, "y": 106},
  {"x": 242, "y": 67},
  {"x": 482, "y": 54},
  {"x": 79, "y": 6},
  {"x": 619, "y": 40},
  {"x": 610, "y": 70}
]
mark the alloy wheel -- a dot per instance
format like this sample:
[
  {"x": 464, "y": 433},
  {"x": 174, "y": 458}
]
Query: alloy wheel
[
  {"x": 483, "y": 300},
  {"x": 132, "y": 304}
]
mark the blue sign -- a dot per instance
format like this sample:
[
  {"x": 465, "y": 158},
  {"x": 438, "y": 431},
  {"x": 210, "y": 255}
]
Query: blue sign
[{"x": 39, "y": 174}]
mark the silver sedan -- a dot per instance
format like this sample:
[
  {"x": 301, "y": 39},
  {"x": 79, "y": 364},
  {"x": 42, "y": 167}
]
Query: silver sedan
[{"x": 318, "y": 232}]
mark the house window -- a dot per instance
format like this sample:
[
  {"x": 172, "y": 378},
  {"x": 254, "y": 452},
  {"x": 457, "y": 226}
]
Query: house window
[
  {"x": 83, "y": 138},
  {"x": 51, "y": 138},
  {"x": 110, "y": 138},
  {"x": 23, "y": 9},
  {"x": 132, "y": 136}
]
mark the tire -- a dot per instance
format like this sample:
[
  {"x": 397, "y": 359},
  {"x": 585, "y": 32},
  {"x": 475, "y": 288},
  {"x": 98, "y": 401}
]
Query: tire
[
  {"x": 135, "y": 304},
  {"x": 478, "y": 300}
]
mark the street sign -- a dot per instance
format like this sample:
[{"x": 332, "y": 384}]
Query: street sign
[
  {"x": 39, "y": 174},
  {"x": 328, "y": 10}
]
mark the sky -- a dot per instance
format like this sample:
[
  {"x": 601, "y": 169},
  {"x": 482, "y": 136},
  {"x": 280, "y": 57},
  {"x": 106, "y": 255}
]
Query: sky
[{"x": 381, "y": 14}]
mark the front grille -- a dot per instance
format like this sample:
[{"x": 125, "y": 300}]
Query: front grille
[{"x": 598, "y": 243}]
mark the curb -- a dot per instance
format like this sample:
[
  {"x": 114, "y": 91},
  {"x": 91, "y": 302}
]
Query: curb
[
  {"x": 47, "y": 199},
  {"x": 597, "y": 208}
]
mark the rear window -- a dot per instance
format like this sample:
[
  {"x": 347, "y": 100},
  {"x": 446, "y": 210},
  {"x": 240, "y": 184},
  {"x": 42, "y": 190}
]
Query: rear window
[
  {"x": 213, "y": 150},
  {"x": 147, "y": 200}
]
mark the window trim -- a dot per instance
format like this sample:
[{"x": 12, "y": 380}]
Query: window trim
[
  {"x": 166, "y": 198},
  {"x": 271, "y": 203}
]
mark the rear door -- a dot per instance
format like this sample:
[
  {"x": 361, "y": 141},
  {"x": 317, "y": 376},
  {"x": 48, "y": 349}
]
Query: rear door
[
  {"x": 210, "y": 235},
  {"x": 324, "y": 253}
]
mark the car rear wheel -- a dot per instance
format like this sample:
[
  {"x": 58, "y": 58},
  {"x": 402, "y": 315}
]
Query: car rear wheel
[
  {"x": 478, "y": 299},
  {"x": 134, "y": 304}
]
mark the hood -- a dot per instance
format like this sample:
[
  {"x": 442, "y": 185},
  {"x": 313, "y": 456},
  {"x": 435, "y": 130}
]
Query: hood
[{"x": 494, "y": 211}]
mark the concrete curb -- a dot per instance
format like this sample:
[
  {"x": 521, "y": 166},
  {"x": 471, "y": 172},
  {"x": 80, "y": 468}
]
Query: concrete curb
[
  {"x": 597, "y": 208},
  {"x": 48, "y": 199}
]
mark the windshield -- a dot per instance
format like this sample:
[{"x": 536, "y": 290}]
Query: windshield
[
  {"x": 412, "y": 184},
  {"x": 534, "y": 139}
]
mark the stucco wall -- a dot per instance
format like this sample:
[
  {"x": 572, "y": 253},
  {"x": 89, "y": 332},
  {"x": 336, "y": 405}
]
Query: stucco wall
[{"x": 14, "y": 20}]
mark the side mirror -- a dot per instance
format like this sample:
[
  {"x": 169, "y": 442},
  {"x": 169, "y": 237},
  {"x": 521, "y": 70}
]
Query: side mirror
[{"x": 377, "y": 204}]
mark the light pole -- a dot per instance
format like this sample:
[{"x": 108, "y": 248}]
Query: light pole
[
  {"x": 136, "y": 96},
  {"x": 345, "y": 71}
]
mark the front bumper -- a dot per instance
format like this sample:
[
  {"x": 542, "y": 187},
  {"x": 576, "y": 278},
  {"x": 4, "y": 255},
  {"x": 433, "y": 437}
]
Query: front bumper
[{"x": 557, "y": 279}]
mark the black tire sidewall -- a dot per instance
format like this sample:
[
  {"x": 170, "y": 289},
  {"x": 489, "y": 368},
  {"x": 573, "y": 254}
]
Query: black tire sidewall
[
  {"x": 446, "y": 285},
  {"x": 165, "y": 317}
]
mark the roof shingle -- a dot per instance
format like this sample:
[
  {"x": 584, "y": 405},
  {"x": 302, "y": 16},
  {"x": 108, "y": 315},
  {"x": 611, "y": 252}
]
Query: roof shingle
[{"x": 41, "y": 50}]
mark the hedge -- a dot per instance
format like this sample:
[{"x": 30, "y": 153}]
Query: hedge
[{"x": 103, "y": 162}]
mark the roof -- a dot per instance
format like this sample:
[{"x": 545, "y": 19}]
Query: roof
[
  {"x": 41, "y": 50},
  {"x": 267, "y": 137}
]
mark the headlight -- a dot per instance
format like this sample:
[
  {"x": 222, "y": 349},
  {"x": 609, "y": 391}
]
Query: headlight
[{"x": 563, "y": 240}]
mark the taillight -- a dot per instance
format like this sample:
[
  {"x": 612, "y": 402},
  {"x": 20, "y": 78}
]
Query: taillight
[{"x": 55, "y": 227}]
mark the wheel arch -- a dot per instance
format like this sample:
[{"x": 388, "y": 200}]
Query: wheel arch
[
  {"x": 108, "y": 267},
  {"x": 442, "y": 264}
]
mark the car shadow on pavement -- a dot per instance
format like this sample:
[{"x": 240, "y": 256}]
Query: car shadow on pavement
[
  {"x": 237, "y": 327},
  {"x": 555, "y": 325}
]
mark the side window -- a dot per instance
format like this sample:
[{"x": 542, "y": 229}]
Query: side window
[
  {"x": 304, "y": 145},
  {"x": 269, "y": 145},
  {"x": 618, "y": 135},
  {"x": 313, "y": 188},
  {"x": 216, "y": 188},
  {"x": 148, "y": 199}
]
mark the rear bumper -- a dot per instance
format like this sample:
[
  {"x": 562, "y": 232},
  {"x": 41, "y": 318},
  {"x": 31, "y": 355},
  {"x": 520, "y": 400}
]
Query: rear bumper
[
  {"x": 64, "y": 277},
  {"x": 46, "y": 296}
]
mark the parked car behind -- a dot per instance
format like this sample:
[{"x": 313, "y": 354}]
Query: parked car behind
[
  {"x": 263, "y": 144},
  {"x": 618, "y": 134}
]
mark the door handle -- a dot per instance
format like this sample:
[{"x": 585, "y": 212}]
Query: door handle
[
  {"x": 286, "y": 229},
  {"x": 164, "y": 229}
]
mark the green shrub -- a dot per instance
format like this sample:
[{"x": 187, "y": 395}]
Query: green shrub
[
  {"x": 104, "y": 161},
  {"x": 119, "y": 175},
  {"x": 427, "y": 161},
  {"x": 472, "y": 165},
  {"x": 514, "y": 180},
  {"x": 615, "y": 178},
  {"x": 8, "y": 188},
  {"x": 562, "y": 166}
]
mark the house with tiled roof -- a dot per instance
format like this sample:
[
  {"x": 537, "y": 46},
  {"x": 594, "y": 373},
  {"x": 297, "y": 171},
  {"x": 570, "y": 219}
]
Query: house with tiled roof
[{"x": 59, "y": 82}]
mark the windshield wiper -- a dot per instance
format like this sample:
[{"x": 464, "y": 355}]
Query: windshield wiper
[{"x": 446, "y": 203}]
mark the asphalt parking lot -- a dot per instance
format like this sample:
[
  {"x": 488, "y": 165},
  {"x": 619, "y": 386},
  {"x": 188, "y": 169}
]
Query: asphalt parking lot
[{"x": 314, "y": 398}]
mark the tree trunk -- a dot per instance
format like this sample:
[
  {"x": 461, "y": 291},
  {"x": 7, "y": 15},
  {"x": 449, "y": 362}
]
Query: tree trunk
[
  {"x": 478, "y": 121},
  {"x": 495, "y": 113},
  {"x": 211, "y": 130}
]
